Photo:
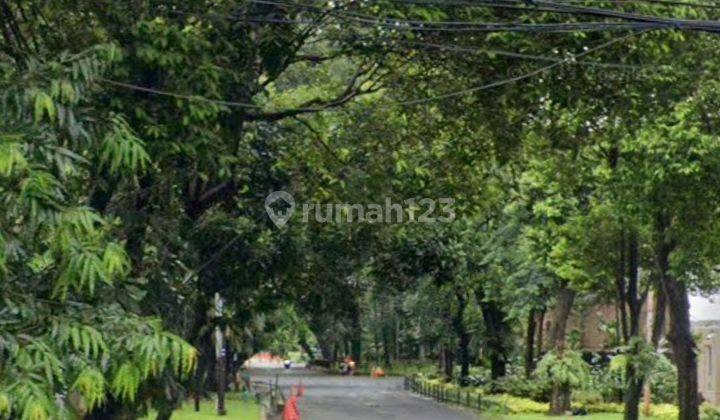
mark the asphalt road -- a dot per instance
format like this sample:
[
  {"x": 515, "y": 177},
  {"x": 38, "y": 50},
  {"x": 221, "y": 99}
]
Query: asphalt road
[{"x": 358, "y": 398}]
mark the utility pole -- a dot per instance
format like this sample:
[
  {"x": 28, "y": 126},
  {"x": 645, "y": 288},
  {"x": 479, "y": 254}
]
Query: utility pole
[
  {"x": 650, "y": 314},
  {"x": 220, "y": 358}
]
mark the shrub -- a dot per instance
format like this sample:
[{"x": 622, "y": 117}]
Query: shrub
[
  {"x": 607, "y": 383},
  {"x": 568, "y": 369},
  {"x": 664, "y": 411},
  {"x": 657, "y": 411},
  {"x": 709, "y": 412},
  {"x": 585, "y": 397},
  {"x": 611, "y": 385},
  {"x": 603, "y": 407},
  {"x": 519, "y": 387},
  {"x": 518, "y": 405},
  {"x": 663, "y": 381}
]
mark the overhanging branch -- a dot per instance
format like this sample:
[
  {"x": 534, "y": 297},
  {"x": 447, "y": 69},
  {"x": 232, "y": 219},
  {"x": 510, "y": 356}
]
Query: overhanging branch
[{"x": 352, "y": 90}]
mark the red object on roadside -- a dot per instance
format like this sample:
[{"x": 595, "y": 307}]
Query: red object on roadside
[
  {"x": 301, "y": 389},
  {"x": 291, "y": 411}
]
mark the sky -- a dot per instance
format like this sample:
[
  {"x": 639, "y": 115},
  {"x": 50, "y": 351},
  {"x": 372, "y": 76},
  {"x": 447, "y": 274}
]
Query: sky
[{"x": 705, "y": 308}]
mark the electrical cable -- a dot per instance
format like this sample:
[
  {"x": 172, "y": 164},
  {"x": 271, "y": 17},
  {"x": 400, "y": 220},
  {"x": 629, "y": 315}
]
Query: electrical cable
[
  {"x": 516, "y": 78},
  {"x": 457, "y": 26}
]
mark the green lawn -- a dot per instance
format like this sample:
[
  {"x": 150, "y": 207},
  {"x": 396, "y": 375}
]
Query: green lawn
[
  {"x": 595, "y": 416},
  {"x": 237, "y": 409}
]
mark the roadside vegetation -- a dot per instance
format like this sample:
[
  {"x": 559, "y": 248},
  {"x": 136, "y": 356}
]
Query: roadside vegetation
[
  {"x": 237, "y": 407},
  {"x": 549, "y": 161}
]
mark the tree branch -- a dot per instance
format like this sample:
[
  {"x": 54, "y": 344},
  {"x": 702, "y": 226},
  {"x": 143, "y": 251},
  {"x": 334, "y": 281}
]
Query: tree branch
[{"x": 352, "y": 90}]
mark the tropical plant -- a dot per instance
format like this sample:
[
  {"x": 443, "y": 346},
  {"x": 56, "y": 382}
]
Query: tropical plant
[{"x": 67, "y": 346}]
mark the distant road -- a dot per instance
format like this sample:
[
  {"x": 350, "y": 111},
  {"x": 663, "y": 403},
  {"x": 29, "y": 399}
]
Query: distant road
[{"x": 358, "y": 397}]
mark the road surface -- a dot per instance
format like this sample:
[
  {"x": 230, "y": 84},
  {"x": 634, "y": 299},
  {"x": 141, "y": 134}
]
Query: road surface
[{"x": 358, "y": 398}]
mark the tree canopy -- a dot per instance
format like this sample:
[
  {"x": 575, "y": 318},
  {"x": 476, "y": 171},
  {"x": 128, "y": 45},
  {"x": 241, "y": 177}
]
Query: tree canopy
[{"x": 573, "y": 147}]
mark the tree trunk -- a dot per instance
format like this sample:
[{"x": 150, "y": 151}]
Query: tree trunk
[
  {"x": 530, "y": 344},
  {"x": 463, "y": 336},
  {"x": 683, "y": 348},
  {"x": 655, "y": 330},
  {"x": 327, "y": 350},
  {"x": 200, "y": 341},
  {"x": 449, "y": 364},
  {"x": 356, "y": 349},
  {"x": 136, "y": 226},
  {"x": 632, "y": 395},
  {"x": 680, "y": 335},
  {"x": 441, "y": 359},
  {"x": 387, "y": 350},
  {"x": 497, "y": 332},
  {"x": 633, "y": 390},
  {"x": 397, "y": 338},
  {"x": 659, "y": 314},
  {"x": 541, "y": 330},
  {"x": 560, "y": 401},
  {"x": 620, "y": 288},
  {"x": 164, "y": 414}
]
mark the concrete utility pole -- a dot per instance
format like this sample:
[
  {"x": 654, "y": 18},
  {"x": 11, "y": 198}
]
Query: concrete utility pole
[
  {"x": 220, "y": 362},
  {"x": 650, "y": 314}
]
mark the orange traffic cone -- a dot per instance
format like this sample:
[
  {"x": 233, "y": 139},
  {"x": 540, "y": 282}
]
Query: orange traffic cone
[{"x": 291, "y": 411}]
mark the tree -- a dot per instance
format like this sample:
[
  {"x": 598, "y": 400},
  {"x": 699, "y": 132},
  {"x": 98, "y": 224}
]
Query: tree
[
  {"x": 673, "y": 167},
  {"x": 68, "y": 346}
]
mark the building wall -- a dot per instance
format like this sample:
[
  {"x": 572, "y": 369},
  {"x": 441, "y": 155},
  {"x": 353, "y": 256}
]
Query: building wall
[
  {"x": 590, "y": 322},
  {"x": 708, "y": 370}
]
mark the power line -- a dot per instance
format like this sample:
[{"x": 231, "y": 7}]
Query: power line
[
  {"x": 697, "y": 25},
  {"x": 568, "y": 60},
  {"x": 653, "y": 22},
  {"x": 467, "y": 3},
  {"x": 453, "y": 48},
  {"x": 199, "y": 98},
  {"x": 563, "y": 28},
  {"x": 513, "y": 54},
  {"x": 516, "y": 78},
  {"x": 484, "y": 27},
  {"x": 177, "y": 95}
]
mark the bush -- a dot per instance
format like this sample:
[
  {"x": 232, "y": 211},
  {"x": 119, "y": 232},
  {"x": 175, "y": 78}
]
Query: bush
[
  {"x": 568, "y": 369},
  {"x": 663, "y": 381},
  {"x": 518, "y": 405},
  {"x": 585, "y": 397},
  {"x": 603, "y": 407},
  {"x": 709, "y": 412},
  {"x": 607, "y": 383},
  {"x": 519, "y": 387},
  {"x": 610, "y": 383},
  {"x": 664, "y": 411}
]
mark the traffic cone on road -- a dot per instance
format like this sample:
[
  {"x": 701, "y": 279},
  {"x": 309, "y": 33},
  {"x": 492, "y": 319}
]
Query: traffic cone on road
[
  {"x": 301, "y": 389},
  {"x": 291, "y": 411}
]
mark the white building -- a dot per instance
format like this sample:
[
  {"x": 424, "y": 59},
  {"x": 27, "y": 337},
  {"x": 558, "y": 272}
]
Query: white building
[
  {"x": 708, "y": 372},
  {"x": 705, "y": 313}
]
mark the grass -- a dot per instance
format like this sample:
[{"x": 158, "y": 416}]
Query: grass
[
  {"x": 237, "y": 409},
  {"x": 595, "y": 416}
]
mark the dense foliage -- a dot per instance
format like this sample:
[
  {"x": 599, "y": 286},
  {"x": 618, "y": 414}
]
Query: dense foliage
[{"x": 577, "y": 144}]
